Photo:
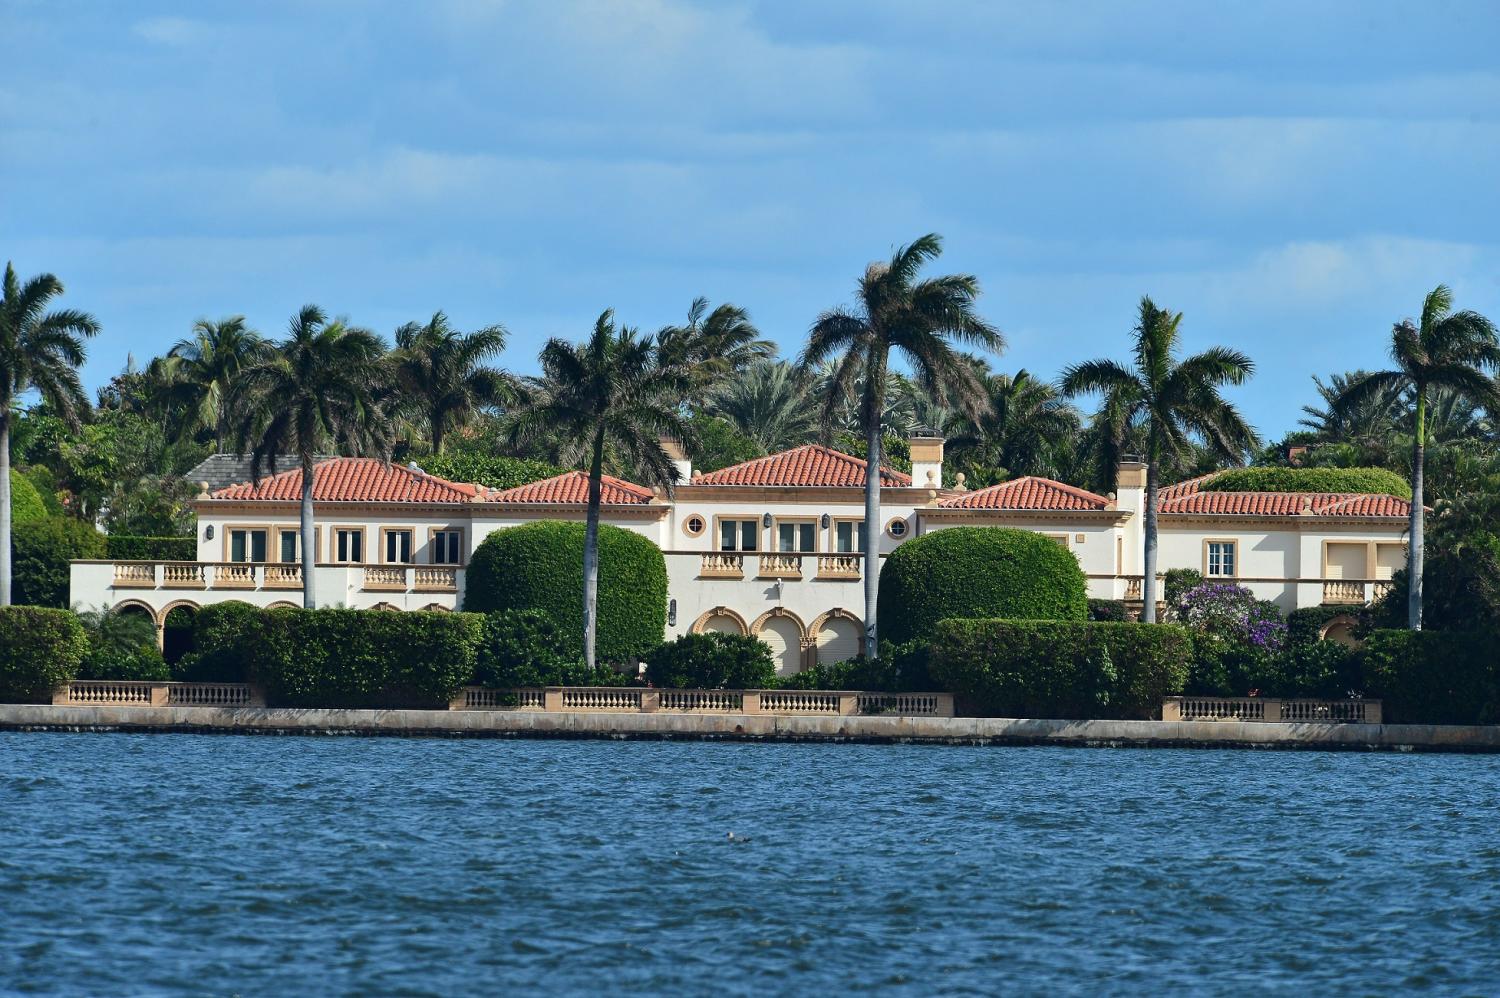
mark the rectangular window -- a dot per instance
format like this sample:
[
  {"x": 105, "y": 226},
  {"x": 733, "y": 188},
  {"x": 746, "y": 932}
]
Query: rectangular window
[
  {"x": 348, "y": 545},
  {"x": 397, "y": 547},
  {"x": 849, "y": 536},
  {"x": 796, "y": 537},
  {"x": 247, "y": 545},
  {"x": 445, "y": 547},
  {"x": 1061, "y": 540},
  {"x": 288, "y": 546},
  {"x": 1221, "y": 559},
  {"x": 738, "y": 535}
]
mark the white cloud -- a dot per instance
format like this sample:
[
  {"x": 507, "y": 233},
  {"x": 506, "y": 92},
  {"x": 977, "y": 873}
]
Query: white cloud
[{"x": 176, "y": 31}]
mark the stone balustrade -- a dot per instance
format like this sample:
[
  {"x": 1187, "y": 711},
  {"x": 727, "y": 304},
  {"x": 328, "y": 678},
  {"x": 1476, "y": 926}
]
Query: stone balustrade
[
  {"x": 722, "y": 565},
  {"x": 208, "y": 575},
  {"x": 385, "y": 578},
  {"x": 839, "y": 566},
  {"x": 776, "y": 565},
  {"x": 140, "y": 693},
  {"x": 283, "y": 577},
  {"x": 1270, "y": 709},
  {"x": 634, "y": 699},
  {"x": 435, "y": 578}
]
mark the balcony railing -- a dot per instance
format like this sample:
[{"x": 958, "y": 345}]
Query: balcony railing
[
  {"x": 385, "y": 578},
  {"x": 722, "y": 565},
  {"x": 1354, "y": 592},
  {"x": 1271, "y": 709},
  {"x": 276, "y": 576},
  {"x": 132, "y": 693},
  {"x": 780, "y": 566},
  {"x": 436, "y": 579},
  {"x": 838, "y": 566},
  {"x": 283, "y": 577}
]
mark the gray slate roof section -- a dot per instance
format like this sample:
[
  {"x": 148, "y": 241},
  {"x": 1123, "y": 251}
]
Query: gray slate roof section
[{"x": 223, "y": 470}]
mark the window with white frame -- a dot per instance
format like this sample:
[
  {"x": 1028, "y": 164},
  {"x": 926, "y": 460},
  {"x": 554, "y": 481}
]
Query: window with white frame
[
  {"x": 349, "y": 545},
  {"x": 849, "y": 536},
  {"x": 738, "y": 535},
  {"x": 398, "y": 547},
  {"x": 1221, "y": 559}
]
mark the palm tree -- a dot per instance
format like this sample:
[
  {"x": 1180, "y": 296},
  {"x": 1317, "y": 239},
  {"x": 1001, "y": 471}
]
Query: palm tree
[
  {"x": 612, "y": 392},
  {"x": 442, "y": 372},
  {"x": 770, "y": 403},
  {"x": 38, "y": 350},
  {"x": 1369, "y": 425},
  {"x": 920, "y": 320},
  {"x": 1028, "y": 428},
  {"x": 318, "y": 390},
  {"x": 198, "y": 371},
  {"x": 711, "y": 346},
  {"x": 1175, "y": 405},
  {"x": 1448, "y": 350}
]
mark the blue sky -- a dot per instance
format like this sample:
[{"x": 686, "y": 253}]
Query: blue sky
[{"x": 1292, "y": 176}]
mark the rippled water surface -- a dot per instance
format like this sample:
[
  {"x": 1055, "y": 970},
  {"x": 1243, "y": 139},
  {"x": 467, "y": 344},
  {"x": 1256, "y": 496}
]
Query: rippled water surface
[{"x": 136, "y": 864}]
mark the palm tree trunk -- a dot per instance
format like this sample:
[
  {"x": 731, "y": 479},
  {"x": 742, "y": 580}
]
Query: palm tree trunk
[
  {"x": 437, "y": 434},
  {"x": 5, "y": 502},
  {"x": 309, "y": 546},
  {"x": 874, "y": 382},
  {"x": 1416, "y": 549},
  {"x": 591, "y": 554},
  {"x": 1148, "y": 581}
]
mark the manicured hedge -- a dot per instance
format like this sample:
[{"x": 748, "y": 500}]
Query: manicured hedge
[
  {"x": 127, "y": 547},
  {"x": 977, "y": 572},
  {"x": 1303, "y": 626},
  {"x": 539, "y": 567},
  {"x": 223, "y": 635},
  {"x": 1108, "y": 610},
  {"x": 42, "y": 550},
  {"x": 40, "y": 649},
  {"x": 494, "y": 470},
  {"x": 526, "y": 648},
  {"x": 1066, "y": 669},
  {"x": 361, "y": 658},
  {"x": 25, "y": 501},
  {"x": 1376, "y": 481},
  {"x": 1433, "y": 677},
  {"x": 712, "y": 661}
]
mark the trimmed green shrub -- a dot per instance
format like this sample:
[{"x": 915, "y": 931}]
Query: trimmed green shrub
[
  {"x": 1325, "y": 670},
  {"x": 1108, "y": 611},
  {"x": 1433, "y": 677},
  {"x": 361, "y": 658},
  {"x": 526, "y": 648},
  {"x": 25, "y": 501},
  {"x": 493, "y": 470},
  {"x": 40, "y": 649},
  {"x": 899, "y": 669},
  {"x": 45, "y": 482},
  {"x": 223, "y": 634},
  {"x": 539, "y": 567},
  {"x": 41, "y": 550},
  {"x": 127, "y": 547},
  {"x": 712, "y": 661},
  {"x": 1177, "y": 583},
  {"x": 977, "y": 572},
  {"x": 1374, "y": 481},
  {"x": 1064, "y": 669},
  {"x": 1305, "y": 624},
  {"x": 122, "y": 645}
]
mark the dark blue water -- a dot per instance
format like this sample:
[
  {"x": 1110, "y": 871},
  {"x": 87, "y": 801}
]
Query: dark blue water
[{"x": 219, "y": 865}]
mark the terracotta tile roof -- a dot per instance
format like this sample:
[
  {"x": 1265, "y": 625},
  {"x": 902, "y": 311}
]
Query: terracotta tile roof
[
  {"x": 354, "y": 479},
  {"x": 573, "y": 487},
  {"x": 1186, "y": 497},
  {"x": 1027, "y": 493},
  {"x": 812, "y": 464}
]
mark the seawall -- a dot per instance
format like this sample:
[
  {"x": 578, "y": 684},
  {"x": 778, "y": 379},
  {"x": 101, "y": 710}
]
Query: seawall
[{"x": 747, "y": 727}]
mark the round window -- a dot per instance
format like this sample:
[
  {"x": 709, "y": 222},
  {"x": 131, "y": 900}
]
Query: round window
[
  {"x": 896, "y": 528},
  {"x": 694, "y": 525}
]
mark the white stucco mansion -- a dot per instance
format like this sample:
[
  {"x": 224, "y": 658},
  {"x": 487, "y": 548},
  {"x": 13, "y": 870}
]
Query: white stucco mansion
[{"x": 770, "y": 547}]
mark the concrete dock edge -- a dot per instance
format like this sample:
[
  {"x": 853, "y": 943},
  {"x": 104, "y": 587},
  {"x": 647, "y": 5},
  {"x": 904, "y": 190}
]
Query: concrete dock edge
[{"x": 753, "y": 728}]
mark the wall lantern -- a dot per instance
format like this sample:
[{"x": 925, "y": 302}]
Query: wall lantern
[
  {"x": 208, "y": 532},
  {"x": 826, "y": 520},
  {"x": 671, "y": 613},
  {"x": 765, "y": 521}
]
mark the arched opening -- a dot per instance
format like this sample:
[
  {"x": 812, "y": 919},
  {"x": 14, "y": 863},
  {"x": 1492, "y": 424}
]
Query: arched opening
[
  {"x": 837, "y": 636},
  {"x": 720, "y": 620},
  {"x": 177, "y": 631},
  {"x": 1340, "y": 630},
  {"x": 436, "y": 608},
  {"x": 783, "y": 633}
]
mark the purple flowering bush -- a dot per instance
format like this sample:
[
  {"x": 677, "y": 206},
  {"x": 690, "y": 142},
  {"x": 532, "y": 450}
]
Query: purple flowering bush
[{"x": 1238, "y": 639}]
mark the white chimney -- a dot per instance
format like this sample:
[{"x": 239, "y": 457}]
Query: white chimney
[
  {"x": 679, "y": 457},
  {"x": 926, "y": 458},
  {"x": 1130, "y": 484}
]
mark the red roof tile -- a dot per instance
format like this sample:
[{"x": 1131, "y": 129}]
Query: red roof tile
[
  {"x": 812, "y": 464},
  {"x": 1027, "y": 493},
  {"x": 573, "y": 487},
  {"x": 354, "y": 479},
  {"x": 1186, "y": 497}
]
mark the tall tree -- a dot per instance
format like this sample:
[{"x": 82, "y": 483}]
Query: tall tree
[
  {"x": 611, "y": 392},
  {"x": 318, "y": 390},
  {"x": 771, "y": 403},
  {"x": 711, "y": 346},
  {"x": 1175, "y": 405},
  {"x": 198, "y": 372},
  {"x": 39, "y": 350},
  {"x": 1030, "y": 426},
  {"x": 1447, "y": 350},
  {"x": 443, "y": 373},
  {"x": 919, "y": 319}
]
